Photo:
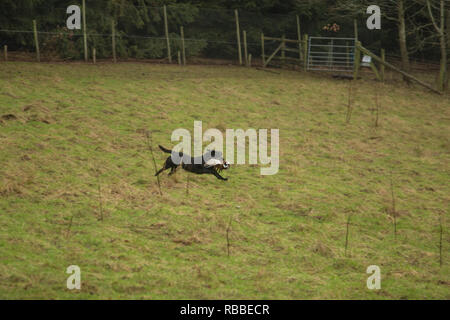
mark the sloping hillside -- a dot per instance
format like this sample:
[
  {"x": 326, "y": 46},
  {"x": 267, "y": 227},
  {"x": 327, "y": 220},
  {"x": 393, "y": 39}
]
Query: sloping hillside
[{"x": 72, "y": 150}]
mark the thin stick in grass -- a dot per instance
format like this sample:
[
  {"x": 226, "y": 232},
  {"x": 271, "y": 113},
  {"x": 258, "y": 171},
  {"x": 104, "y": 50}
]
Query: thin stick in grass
[
  {"x": 70, "y": 226},
  {"x": 100, "y": 196},
  {"x": 149, "y": 145},
  {"x": 440, "y": 240},
  {"x": 347, "y": 233},
  {"x": 394, "y": 213},
  {"x": 228, "y": 236},
  {"x": 187, "y": 184},
  {"x": 377, "y": 106},
  {"x": 349, "y": 104}
]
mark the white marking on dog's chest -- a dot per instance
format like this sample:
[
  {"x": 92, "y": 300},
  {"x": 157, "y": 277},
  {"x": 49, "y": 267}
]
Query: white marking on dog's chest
[{"x": 212, "y": 162}]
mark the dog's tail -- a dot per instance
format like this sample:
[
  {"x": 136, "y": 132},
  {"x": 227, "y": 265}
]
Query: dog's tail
[{"x": 164, "y": 149}]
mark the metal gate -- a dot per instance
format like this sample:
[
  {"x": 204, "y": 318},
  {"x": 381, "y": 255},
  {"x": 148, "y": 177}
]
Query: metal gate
[{"x": 331, "y": 54}]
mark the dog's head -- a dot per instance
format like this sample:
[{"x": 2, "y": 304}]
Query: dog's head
[{"x": 215, "y": 159}]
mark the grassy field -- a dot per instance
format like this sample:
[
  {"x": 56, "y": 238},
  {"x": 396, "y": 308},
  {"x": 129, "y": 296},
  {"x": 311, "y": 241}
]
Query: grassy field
[{"x": 71, "y": 146}]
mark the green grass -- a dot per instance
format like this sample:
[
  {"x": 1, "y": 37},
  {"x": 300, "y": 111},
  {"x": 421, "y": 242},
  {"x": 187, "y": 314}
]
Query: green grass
[{"x": 288, "y": 231}]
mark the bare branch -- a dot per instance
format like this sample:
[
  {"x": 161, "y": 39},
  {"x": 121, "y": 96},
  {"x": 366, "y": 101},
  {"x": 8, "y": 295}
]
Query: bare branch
[{"x": 432, "y": 17}]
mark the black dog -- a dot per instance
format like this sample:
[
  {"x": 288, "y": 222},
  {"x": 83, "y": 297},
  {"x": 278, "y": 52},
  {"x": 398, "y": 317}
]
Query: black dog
[{"x": 211, "y": 162}]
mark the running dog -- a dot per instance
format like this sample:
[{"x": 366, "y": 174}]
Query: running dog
[{"x": 211, "y": 162}]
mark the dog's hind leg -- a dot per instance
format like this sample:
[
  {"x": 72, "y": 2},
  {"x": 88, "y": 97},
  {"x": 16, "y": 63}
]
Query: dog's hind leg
[
  {"x": 172, "y": 170},
  {"x": 168, "y": 164},
  {"x": 160, "y": 170},
  {"x": 165, "y": 167}
]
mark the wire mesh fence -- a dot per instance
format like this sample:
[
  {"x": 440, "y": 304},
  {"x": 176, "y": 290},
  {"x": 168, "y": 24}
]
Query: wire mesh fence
[{"x": 140, "y": 32}]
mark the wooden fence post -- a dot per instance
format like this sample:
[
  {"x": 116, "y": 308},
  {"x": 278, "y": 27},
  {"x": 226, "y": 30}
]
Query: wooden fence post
[
  {"x": 250, "y": 60},
  {"x": 179, "y": 57},
  {"x": 305, "y": 52},
  {"x": 94, "y": 60},
  {"x": 382, "y": 67},
  {"x": 5, "y": 50},
  {"x": 355, "y": 23},
  {"x": 388, "y": 65},
  {"x": 166, "y": 28},
  {"x": 36, "y": 42},
  {"x": 113, "y": 39},
  {"x": 245, "y": 47},
  {"x": 183, "y": 48},
  {"x": 299, "y": 37},
  {"x": 357, "y": 61},
  {"x": 84, "y": 32},
  {"x": 283, "y": 52},
  {"x": 236, "y": 15},
  {"x": 375, "y": 70},
  {"x": 263, "y": 55}
]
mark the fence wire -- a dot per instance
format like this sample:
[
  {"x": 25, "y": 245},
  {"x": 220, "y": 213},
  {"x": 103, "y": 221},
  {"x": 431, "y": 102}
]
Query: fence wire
[{"x": 208, "y": 33}]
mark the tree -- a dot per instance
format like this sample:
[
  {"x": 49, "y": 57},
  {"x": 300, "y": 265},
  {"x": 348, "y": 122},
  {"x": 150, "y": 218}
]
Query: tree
[
  {"x": 392, "y": 10},
  {"x": 439, "y": 25},
  {"x": 402, "y": 36},
  {"x": 448, "y": 47},
  {"x": 431, "y": 24}
]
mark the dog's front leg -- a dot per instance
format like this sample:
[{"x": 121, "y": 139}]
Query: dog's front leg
[{"x": 219, "y": 176}]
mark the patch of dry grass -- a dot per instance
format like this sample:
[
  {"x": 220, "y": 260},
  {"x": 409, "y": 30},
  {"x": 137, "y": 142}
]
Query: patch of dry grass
[{"x": 74, "y": 127}]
